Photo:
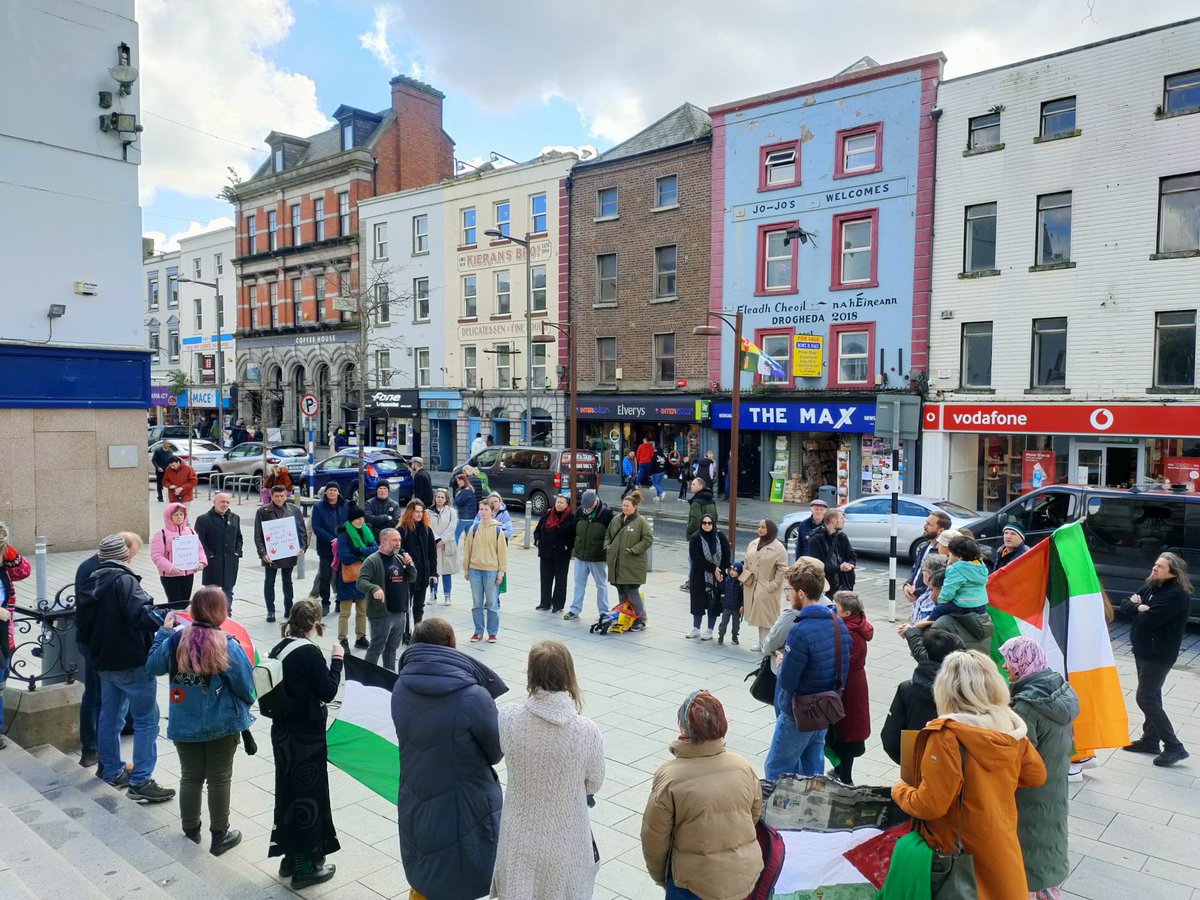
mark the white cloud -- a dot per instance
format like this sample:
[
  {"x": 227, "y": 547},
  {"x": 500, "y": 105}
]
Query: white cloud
[
  {"x": 163, "y": 243},
  {"x": 210, "y": 69},
  {"x": 623, "y": 77},
  {"x": 376, "y": 40}
]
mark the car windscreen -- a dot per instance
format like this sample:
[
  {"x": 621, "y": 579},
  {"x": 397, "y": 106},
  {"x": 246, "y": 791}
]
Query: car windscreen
[
  {"x": 289, "y": 451},
  {"x": 387, "y": 466},
  {"x": 959, "y": 512}
]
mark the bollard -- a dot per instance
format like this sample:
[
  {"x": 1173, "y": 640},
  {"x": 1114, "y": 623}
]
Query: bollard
[
  {"x": 528, "y": 525},
  {"x": 39, "y": 565},
  {"x": 650, "y": 552}
]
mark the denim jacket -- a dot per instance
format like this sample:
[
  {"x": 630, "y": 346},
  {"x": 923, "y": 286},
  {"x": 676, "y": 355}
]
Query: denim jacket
[{"x": 203, "y": 707}]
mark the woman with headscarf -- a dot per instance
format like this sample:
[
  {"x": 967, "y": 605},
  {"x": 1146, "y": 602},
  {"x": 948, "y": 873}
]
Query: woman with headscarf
[
  {"x": 762, "y": 579},
  {"x": 1048, "y": 706},
  {"x": 698, "y": 830},
  {"x": 709, "y": 559}
]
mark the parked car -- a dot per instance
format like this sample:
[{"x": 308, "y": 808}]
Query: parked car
[
  {"x": 869, "y": 522},
  {"x": 381, "y": 463},
  {"x": 202, "y": 455},
  {"x": 247, "y": 459},
  {"x": 156, "y": 433},
  {"x": 533, "y": 474},
  {"x": 1125, "y": 529}
]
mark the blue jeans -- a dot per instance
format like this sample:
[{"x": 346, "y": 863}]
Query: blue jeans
[
  {"x": 135, "y": 687},
  {"x": 643, "y": 473},
  {"x": 675, "y": 892},
  {"x": 599, "y": 573},
  {"x": 459, "y": 528},
  {"x": 657, "y": 479},
  {"x": 89, "y": 706},
  {"x": 485, "y": 600},
  {"x": 447, "y": 583},
  {"x": 792, "y": 750}
]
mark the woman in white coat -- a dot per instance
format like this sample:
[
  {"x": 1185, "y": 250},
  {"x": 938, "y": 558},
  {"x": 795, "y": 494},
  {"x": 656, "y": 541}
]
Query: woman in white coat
[
  {"x": 443, "y": 520},
  {"x": 555, "y": 760}
]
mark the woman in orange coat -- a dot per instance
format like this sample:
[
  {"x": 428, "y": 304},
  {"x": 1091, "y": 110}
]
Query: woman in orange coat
[{"x": 975, "y": 727}]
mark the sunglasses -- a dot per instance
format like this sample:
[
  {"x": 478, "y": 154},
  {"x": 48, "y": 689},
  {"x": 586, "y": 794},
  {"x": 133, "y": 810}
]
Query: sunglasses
[{"x": 708, "y": 522}]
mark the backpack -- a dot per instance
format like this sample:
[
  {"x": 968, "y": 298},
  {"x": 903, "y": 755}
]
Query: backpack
[{"x": 273, "y": 701}]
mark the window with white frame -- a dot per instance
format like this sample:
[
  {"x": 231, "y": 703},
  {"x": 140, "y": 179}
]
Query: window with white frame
[
  {"x": 173, "y": 286},
  {"x": 343, "y": 213},
  {"x": 1181, "y": 93},
  {"x": 251, "y": 235},
  {"x": 665, "y": 269},
  {"x": 979, "y": 240},
  {"x": 421, "y": 357},
  {"x": 537, "y": 214},
  {"x": 383, "y": 304},
  {"x": 152, "y": 290},
  {"x": 664, "y": 357},
  {"x": 1175, "y": 349},
  {"x": 348, "y": 134},
  {"x": 538, "y": 291},
  {"x": 1058, "y": 118},
  {"x": 421, "y": 299},
  {"x": 606, "y": 360},
  {"x": 606, "y": 279},
  {"x": 503, "y": 217},
  {"x": 319, "y": 218},
  {"x": 606, "y": 203},
  {"x": 198, "y": 312},
  {"x": 277, "y": 160},
  {"x": 1053, "y": 228},
  {"x": 294, "y": 214},
  {"x": 252, "y": 304},
  {"x": 778, "y": 261},
  {"x": 297, "y": 302},
  {"x": 1049, "y": 353},
  {"x": 666, "y": 191},
  {"x": 380, "y": 240},
  {"x": 780, "y": 167},
  {"x": 272, "y": 230},
  {"x": 539, "y": 367},
  {"x": 155, "y": 342},
  {"x": 855, "y": 251},
  {"x": 860, "y": 150},
  {"x": 470, "y": 367},
  {"x": 383, "y": 367},
  {"x": 420, "y": 234},
  {"x": 468, "y": 227},
  {"x": 218, "y": 264},
  {"x": 983, "y": 132},
  {"x": 172, "y": 340},
  {"x": 470, "y": 297},
  {"x": 197, "y": 269},
  {"x": 854, "y": 357},
  {"x": 319, "y": 293},
  {"x": 976, "y": 364},
  {"x": 1179, "y": 213},
  {"x": 503, "y": 366},
  {"x": 503, "y": 293}
]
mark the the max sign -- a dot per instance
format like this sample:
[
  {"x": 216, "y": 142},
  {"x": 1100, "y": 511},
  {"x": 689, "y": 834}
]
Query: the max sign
[{"x": 760, "y": 415}]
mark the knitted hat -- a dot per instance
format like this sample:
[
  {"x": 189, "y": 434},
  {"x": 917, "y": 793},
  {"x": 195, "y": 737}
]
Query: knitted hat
[
  {"x": 355, "y": 512},
  {"x": 1013, "y": 527},
  {"x": 113, "y": 548},
  {"x": 947, "y": 536},
  {"x": 589, "y": 500}
]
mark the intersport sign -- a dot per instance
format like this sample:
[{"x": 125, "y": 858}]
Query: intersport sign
[{"x": 1127, "y": 420}]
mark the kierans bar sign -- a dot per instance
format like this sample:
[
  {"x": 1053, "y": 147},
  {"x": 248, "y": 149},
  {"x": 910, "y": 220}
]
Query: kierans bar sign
[{"x": 1142, "y": 420}]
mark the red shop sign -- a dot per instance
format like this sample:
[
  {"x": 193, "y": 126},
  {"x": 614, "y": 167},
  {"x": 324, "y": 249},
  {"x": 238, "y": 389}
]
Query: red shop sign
[{"x": 1142, "y": 420}]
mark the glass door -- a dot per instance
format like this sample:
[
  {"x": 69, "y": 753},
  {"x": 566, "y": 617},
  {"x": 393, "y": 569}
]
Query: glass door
[{"x": 1106, "y": 465}]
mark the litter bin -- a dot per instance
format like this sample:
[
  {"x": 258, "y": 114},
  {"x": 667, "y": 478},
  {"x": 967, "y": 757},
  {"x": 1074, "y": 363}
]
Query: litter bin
[{"x": 828, "y": 493}]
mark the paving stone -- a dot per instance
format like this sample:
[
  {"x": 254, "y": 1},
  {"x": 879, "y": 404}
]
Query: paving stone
[{"x": 1095, "y": 879}]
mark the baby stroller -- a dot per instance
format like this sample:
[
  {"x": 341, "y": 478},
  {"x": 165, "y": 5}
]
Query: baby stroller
[{"x": 620, "y": 620}]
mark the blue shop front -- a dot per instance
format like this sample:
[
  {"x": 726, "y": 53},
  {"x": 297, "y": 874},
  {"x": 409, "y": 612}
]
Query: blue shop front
[{"x": 440, "y": 411}]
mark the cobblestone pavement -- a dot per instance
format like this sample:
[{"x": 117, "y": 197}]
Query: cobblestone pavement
[{"x": 1134, "y": 828}]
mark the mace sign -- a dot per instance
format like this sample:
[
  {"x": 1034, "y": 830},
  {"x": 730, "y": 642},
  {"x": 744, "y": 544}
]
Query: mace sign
[{"x": 1176, "y": 420}]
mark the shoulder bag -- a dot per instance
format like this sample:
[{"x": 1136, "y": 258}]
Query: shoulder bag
[
  {"x": 814, "y": 712},
  {"x": 952, "y": 875},
  {"x": 762, "y": 688}
]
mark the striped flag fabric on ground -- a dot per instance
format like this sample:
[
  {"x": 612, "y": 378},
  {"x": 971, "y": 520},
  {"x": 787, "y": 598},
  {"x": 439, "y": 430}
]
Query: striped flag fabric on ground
[
  {"x": 1052, "y": 595},
  {"x": 362, "y": 740}
]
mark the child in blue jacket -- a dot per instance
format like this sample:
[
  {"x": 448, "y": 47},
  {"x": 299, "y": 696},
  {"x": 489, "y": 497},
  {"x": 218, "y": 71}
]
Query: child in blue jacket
[
  {"x": 965, "y": 587},
  {"x": 731, "y": 603}
]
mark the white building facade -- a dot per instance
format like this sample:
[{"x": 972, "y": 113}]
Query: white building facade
[
  {"x": 1065, "y": 270},
  {"x": 74, "y": 368}
]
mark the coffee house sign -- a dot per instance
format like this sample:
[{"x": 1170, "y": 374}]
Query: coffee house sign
[{"x": 504, "y": 255}]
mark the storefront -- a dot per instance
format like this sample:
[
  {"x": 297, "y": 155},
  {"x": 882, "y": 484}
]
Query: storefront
[
  {"x": 611, "y": 426},
  {"x": 440, "y": 411},
  {"x": 986, "y": 455},
  {"x": 393, "y": 417},
  {"x": 793, "y": 452},
  {"x": 163, "y": 405}
]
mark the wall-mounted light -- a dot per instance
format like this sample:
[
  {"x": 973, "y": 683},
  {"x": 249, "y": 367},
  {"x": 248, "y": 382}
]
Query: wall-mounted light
[
  {"x": 57, "y": 311},
  {"x": 106, "y": 99},
  {"x": 123, "y": 73}
]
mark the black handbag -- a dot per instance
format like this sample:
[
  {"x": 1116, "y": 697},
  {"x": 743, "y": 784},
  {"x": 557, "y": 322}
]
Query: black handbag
[
  {"x": 952, "y": 875},
  {"x": 813, "y": 712},
  {"x": 762, "y": 688}
]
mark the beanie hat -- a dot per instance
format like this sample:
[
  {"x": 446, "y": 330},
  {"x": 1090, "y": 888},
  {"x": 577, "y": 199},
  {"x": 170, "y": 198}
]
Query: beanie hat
[
  {"x": 1013, "y": 527},
  {"x": 355, "y": 512},
  {"x": 113, "y": 548},
  {"x": 589, "y": 500},
  {"x": 947, "y": 536}
]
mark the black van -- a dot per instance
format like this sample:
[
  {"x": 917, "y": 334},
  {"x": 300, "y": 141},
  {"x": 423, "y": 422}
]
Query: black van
[
  {"x": 533, "y": 475},
  {"x": 1126, "y": 530}
]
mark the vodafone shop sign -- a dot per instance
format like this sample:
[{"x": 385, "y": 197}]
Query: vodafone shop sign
[{"x": 1142, "y": 420}]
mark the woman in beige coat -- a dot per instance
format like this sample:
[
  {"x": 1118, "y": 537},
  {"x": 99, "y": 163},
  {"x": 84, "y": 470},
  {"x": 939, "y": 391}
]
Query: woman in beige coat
[{"x": 762, "y": 579}]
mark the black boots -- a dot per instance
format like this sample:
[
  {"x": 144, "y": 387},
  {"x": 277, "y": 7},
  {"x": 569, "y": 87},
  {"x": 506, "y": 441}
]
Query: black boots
[{"x": 224, "y": 840}]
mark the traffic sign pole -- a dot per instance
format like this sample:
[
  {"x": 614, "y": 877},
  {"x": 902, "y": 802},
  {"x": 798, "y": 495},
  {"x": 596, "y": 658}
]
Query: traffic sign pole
[{"x": 311, "y": 473}]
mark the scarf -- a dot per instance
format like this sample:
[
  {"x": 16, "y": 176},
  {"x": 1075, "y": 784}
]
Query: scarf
[
  {"x": 1024, "y": 657},
  {"x": 554, "y": 519},
  {"x": 712, "y": 556},
  {"x": 360, "y": 538}
]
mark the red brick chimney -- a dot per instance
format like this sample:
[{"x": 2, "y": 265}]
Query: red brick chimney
[{"x": 415, "y": 151}]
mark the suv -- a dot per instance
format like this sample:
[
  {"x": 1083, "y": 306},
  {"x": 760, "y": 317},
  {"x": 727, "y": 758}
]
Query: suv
[
  {"x": 1126, "y": 530},
  {"x": 247, "y": 459},
  {"x": 156, "y": 433},
  {"x": 533, "y": 475}
]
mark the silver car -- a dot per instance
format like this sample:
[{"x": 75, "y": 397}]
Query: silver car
[
  {"x": 868, "y": 522},
  {"x": 202, "y": 455},
  {"x": 247, "y": 459}
]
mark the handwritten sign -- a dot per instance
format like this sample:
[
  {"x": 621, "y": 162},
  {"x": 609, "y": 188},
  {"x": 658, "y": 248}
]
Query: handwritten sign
[
  {"x": 185, "y": 552},
  {"x": 280, "y": 538}
]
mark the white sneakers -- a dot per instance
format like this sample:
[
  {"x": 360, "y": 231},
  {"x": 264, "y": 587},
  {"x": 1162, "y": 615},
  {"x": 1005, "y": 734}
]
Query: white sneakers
[
  {"x": 706, "y": 635},
  {"x": 694, "y": 633},
  {"x": 446, "y": 602},
  {"x": 756, "y": 648}
]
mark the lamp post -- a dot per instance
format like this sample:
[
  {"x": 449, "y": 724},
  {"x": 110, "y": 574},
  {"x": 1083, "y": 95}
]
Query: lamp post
[
  {"x": 567, "y": 329},
  {"x": 220, "y": 351},
  {"x": 734, "y": 320},
  {"x": 497, "y": 234}
]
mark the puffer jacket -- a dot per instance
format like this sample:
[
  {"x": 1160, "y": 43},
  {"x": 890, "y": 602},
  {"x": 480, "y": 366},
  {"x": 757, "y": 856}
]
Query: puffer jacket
[
  {"x": 912, "y": 707},
  {"x": 700, "y": 820},
  {"x": 466, "y": 503},
  {"x": 974, "y": 628},
  {"x": 590, "y": 530},
  {"x": 203, "y": 707},
  {"x": 382, "y": 514},
  {"x": 808, "y": 656},
  {"x": 625, "y": 546},
  {"x": 448, "y": 810},
  {"x": 965, "y": 584},
  {"x": 326, "y": 520},
  {"x": 1048, "y": 706},
  {"x": 160, "y": 544}
]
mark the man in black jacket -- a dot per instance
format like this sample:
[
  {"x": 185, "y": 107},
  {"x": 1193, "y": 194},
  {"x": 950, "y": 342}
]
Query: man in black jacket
[
  {"x": 831, "y": 546},
  {"x": 382, "y": 511},
  {"x": 913, "y": 706},
  {"x": 220, "y": 533},
  {"x": 422, "y": 485},
  {"x": 160, "y": 458},
  {"x": 119, "y": 619},
  {"x": 1160, "y": 614}
]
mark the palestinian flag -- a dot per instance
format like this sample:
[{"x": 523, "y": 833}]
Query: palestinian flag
[
  {"x": 362, "y": 740},
  {"x": 823, "y": 866},
  {"x": 1052, "y": 594},
  {"x": 754, "y": 360}
]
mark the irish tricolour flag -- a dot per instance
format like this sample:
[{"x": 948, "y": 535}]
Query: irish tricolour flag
[
  {"x": 1052, "y": 594},
  {"x": 362, "y": 740}
]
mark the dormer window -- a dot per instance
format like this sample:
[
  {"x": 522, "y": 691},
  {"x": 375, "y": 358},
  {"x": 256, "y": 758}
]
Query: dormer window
[
  {"x": 277, "y": 157},
  {"x": 348, "y": 134}
]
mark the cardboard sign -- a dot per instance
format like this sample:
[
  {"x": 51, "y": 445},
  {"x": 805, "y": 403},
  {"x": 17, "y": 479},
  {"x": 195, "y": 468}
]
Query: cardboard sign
[
  {"x": 280, "y": 538},
  {"x": 185, "y": 552},
  {"x": 908, "y": 765}
]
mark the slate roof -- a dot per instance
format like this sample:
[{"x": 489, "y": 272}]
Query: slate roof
[
  {"x": 326, "y": 143},
  {"x": 682, "y": 125}
]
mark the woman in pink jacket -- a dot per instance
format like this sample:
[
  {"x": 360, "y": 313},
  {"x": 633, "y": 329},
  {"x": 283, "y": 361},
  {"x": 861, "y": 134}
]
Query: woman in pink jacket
[{"x": 176, "y": 582}]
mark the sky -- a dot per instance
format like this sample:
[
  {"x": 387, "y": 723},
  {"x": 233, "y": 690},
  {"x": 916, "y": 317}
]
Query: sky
[{"x": 218, "y": 75}]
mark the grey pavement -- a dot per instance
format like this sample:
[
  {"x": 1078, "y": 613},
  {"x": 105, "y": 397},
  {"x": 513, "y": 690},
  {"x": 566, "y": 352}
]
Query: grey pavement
[{"x": 1134, "y": 828}]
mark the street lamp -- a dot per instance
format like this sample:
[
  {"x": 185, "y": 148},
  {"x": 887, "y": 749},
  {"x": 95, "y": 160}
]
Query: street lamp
[
  {"x": 736, "y": 398},
  {"x": 567, "y": 329},
  {"x": 497, "y": 234},
  {"x": 220, "y": 352}
]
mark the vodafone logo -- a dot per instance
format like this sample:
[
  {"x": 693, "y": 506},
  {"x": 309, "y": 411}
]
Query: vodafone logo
[
  {"x": 931, "y": 417},
  {"x": 1101, "y": 419}
]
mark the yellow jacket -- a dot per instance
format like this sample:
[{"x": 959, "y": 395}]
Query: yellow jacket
[{"x": 488, "y": 553}]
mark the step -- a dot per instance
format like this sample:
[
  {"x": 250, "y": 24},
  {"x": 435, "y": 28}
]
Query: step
[
  {"x": 31, "y": 861},
  {"x": 191, "y": 869}
]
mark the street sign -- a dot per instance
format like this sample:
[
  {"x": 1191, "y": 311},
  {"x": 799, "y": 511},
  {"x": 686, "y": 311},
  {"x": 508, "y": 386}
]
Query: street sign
[{"x": 309, "y": 405}]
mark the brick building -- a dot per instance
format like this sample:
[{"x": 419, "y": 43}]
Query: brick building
[
  {"x": 639, "y": 281},
  {"x": 298, "y": 247}
]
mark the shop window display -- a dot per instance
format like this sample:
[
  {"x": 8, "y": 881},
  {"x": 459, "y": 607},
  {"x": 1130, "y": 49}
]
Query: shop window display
[{"x": 1017, "y": 464}]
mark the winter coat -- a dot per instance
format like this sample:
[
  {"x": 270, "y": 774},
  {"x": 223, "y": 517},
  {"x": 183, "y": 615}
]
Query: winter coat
[
  {"x": 1157, "y": 633},
  {"x": 448, "y": 810},
  {"x": 731, "y": 595},
  {"x": 419, "y": 543},
  {"x": 161, "y": 457},
  {"x": 347, "y": 553},
  {"x": 160, "y": 544},
  {"x": 221, "y": 537},
  {"x": 183, "y": 478},
  {"x": 557, "y": 542},
  {"x": 1005, "y": 556},
  {"x": 833, "y": 550},
  {"x": 382, "y": 514},
  {"x": 762, "y": 578},
  {"x": 1048, "y": 706},
  {"x": 698, "y": 587},
  {"x": 555, "y": 759},
  {"x": 856, "y": 726},
  {"x": 916, "y": 575},
  {"x": 372, "y": 577},
  {"x": 466, "y": 503},
  {"x": 627, "y": 467},
  {"x": 997, "y": 763},
  {"x": 700, "y": 504},
  {"x": 14, "y": 568},
  {"x": 326, "y": 520},
  {"x": 809, "y": 656},
  {"x": 268, "y": 513},
  {"x": 912, "y": 707},
  {"x": 203, "y": 707},
  {"x": 591, "y": 529},
  {"x": 965, "y": 585},
  {"x": 625, "y": 546},
  {"x": 483, "y": 551},
  {"x": 445, "y": 523},
  {"x": 803, "y": 533},
  {"x": 422, "y": 487},
  {"x": 975, "y": 629},
  {"x": 700, "y": 821},
  {"x": 119, "y": 618}
]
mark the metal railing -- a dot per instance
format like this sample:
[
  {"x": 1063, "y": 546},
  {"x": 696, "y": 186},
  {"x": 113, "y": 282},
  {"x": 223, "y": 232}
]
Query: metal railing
[
  {"x": 44, "y": 636},
  {"x": 239, "y": 487}
]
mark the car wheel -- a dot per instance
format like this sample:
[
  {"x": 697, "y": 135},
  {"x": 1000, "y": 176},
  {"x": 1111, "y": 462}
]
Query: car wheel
[
  {"x": 538, "y": 503},
  {"x": 912, "y": 551},
  {"x": 789, "y": 536},
  {"x": 352, "y": 495}
]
